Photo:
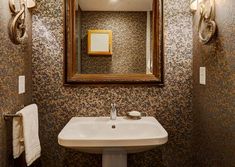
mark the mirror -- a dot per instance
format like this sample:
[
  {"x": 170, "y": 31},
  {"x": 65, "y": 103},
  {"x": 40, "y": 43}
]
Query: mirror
[{"x": 113, "y": 41}]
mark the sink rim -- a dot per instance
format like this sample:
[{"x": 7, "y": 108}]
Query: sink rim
[{"x": 112, "y": 142}]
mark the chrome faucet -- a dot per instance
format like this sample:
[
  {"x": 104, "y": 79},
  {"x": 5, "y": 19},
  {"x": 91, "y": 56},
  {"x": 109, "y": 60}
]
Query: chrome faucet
[{"x": 113, "y": 113}]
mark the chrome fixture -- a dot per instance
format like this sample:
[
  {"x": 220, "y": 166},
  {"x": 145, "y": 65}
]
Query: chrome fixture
[{"x": 113, "y": 113}]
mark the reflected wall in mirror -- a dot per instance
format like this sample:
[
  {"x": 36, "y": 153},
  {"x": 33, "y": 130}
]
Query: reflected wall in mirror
[{"x": 113, "y": 41}]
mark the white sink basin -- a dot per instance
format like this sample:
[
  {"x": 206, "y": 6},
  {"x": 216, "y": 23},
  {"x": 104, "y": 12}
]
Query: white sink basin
[{"x": 102, "y": 135}]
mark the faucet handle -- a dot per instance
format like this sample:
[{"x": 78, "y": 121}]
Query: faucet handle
[
  {"x": 113, "y": 105},
  {"x": 113, "y": 113}
]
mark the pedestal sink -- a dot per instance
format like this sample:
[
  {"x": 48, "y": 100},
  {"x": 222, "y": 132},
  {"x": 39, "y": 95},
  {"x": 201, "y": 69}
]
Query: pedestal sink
[{"x": 114, "y": 139}]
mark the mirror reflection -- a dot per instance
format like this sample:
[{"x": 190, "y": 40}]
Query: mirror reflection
[{"x": 114, "y": 36}]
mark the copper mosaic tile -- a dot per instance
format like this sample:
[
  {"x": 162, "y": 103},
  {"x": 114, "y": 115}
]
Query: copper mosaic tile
[
  {"x": 214, "y": 103},
  {"x": 171, "y": 105},
  {"x": 15, "y": 60}
]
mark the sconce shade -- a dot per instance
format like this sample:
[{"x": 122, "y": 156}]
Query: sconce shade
[{"x": 30, "y": 4}]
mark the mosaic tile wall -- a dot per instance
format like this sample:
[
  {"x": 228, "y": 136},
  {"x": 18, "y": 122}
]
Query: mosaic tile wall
[
  {"x": 214, "y": 103},
  {"x": 14, "y": 61},
  {"x": 129, "y": 42},
  {"x": 171, "y": 105}
]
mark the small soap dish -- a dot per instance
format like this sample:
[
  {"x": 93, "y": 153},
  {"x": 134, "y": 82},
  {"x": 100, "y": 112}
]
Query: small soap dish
[{"x": 135, "y": 115}]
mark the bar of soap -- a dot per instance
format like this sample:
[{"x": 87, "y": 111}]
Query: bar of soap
[{"x": 134, "y": 114}]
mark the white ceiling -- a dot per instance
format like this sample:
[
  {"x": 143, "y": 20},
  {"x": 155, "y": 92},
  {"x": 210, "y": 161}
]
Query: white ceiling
[{"x": 115, "y": 5}]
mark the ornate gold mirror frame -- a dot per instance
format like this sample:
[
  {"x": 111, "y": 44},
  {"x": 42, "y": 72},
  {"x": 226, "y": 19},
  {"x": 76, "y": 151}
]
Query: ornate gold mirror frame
[{"x": 72, "y": 77}]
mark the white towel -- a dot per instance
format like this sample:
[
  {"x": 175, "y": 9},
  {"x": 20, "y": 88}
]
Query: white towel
[
  {"x": 18, "y": 139},
  {"x": 30, "y": 139}
]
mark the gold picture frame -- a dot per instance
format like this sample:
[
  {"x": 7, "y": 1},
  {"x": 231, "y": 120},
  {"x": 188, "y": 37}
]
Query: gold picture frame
[{"x": 100, "y": 42}]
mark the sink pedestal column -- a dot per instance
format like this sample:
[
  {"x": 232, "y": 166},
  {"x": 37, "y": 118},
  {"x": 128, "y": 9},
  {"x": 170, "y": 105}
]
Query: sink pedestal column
[{"x": 114, "y": 158}]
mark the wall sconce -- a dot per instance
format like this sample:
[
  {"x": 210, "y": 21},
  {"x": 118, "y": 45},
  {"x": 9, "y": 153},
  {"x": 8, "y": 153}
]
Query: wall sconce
[
  {"x": 207, "y": 25},
  {"x": 193, "y": 5},
  {"x": 17, "y": 27},
  {"x": 30, "y": 4}
]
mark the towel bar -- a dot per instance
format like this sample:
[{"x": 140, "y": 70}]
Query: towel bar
[{"x": 7, "y": 116}]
